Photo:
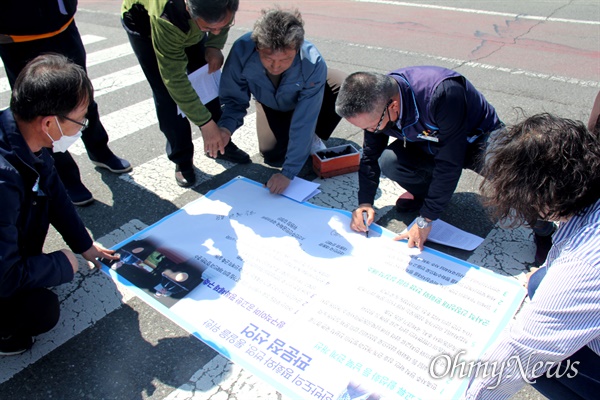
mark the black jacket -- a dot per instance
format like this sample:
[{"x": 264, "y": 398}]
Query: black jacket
[
  {"x": 31, "y": 198},
  {"x": 34, "y": 17}
]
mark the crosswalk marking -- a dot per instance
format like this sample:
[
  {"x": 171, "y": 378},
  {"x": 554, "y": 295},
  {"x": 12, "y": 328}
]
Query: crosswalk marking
[
  {"x": 158, "y": 174},
  {"x": 112, "y": 53},
  {"x": 90, "y": 39},
  {"x": 126, "y": 121},
  {"x": 117, "y": 80}
]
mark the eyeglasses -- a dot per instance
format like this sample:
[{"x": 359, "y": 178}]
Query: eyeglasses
[
  {"x": 84, "y": 124},
  {"x": 376, "y": 130},
  {"x": 212, "y": 30}
]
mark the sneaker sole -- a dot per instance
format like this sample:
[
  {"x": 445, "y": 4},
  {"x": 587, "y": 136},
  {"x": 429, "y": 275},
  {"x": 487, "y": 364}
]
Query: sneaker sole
[
  {"x": 116, "y": 171},
  {"x": 13, "y": 353},
  {"x": 83, "y": 202},
  {"x": 17, "y": 352}
]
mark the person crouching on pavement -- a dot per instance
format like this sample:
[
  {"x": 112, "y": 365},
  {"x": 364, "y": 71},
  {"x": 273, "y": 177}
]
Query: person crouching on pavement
[{"x": 47, "y": 109}]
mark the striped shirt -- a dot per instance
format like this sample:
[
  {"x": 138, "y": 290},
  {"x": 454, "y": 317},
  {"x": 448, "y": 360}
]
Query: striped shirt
[{"x": 562, "y": 317}]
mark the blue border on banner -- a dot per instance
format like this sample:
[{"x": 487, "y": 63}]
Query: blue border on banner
[{"x": 161, "y": 308}]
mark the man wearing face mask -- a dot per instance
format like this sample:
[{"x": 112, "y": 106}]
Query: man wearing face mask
[{"x": 47, "y": 111}]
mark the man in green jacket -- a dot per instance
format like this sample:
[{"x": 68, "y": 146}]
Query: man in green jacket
[{"x": 172, "y": 38}]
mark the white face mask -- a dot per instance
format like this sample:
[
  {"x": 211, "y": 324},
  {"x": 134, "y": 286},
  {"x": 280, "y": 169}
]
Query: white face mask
[{"x": 61, "y": 145}]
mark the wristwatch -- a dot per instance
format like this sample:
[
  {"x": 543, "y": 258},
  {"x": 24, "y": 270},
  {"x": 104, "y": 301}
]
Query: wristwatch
[{"x": 422, "y": 223}]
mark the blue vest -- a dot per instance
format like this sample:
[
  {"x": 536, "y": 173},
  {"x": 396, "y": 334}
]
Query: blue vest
[{"x": 417, "y": 85}]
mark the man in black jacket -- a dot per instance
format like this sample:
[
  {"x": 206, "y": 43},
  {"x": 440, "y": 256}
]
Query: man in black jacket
[
  {"x": 441, "y": 124},
  {"x": 28, "y": 29},
  {"x": 48, "y": 106}
]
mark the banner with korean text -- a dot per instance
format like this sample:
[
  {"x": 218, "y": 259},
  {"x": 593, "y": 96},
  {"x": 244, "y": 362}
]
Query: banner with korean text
[{"x": 287, "y": 291}]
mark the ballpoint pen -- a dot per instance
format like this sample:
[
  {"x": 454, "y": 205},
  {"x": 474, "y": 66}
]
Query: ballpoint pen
[{"x": 365, "y": 217}]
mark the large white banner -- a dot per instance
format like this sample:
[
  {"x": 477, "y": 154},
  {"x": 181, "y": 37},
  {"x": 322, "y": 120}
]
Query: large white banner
[{"x": 290, "y": 293}]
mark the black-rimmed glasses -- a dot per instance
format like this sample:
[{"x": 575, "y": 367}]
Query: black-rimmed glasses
[
  {"x": 387, "y": 106},
  {"x": 213, "y": 30},
  {"x": 84, "y": 124}
]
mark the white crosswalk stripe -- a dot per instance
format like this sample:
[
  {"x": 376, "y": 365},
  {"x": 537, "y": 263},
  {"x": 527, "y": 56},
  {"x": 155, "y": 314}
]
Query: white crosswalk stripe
[{"x": 124, "y": 122}]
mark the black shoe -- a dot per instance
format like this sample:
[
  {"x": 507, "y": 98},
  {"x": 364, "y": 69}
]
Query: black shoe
[
  {"x": 542, "y": 248},
  {"x": 274, "y": 162},
  {"x": 13, "y": 345},
  {"x": 409, "y": 205},
  {"x": 185, "y": 175},
  {"x": 79, "y": 194},
  {"x": 234, "y": 154},
  {"x": 113, "y": 164}
]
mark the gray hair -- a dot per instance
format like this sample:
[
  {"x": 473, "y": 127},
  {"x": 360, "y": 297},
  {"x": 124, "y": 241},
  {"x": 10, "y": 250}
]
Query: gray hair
[
  {"x": 279, "y": 30},
  {"x": 363, "y": 93},
  {"x": 211, "y": 11}
]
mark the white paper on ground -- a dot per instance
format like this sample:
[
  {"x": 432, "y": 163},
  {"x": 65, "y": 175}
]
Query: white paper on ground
[
  {"x": 301, "y": 189},
  {"x": 449, "y": 235},
  {"x": 205, "y": 84}
]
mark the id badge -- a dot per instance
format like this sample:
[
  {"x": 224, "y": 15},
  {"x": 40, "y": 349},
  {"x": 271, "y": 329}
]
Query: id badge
[{"x": 428, "y": 136}]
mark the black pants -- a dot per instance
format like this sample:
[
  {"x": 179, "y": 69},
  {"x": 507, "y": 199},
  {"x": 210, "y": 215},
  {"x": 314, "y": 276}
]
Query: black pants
[
  {"x": 68, "y": 43},
  {"x": 175, "y": 127},
  {"x": 29, "y": 313},
  {"x": 412, "y": 168},
  {"x": 273, "y": 126}
]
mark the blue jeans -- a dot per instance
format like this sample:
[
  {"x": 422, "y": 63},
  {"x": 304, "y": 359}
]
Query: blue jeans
[{"x": 584, "y": 385}]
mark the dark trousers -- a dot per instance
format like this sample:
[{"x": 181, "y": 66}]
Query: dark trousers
[
  {"x": 412, "y": 168},
  {"x": 68, "y": 43},
  {"x": 175, "y": 127},
  {"x": 584, "y": 385},
  {"x": 29, "y": 313},
  {"x": 273, "y": 126}
]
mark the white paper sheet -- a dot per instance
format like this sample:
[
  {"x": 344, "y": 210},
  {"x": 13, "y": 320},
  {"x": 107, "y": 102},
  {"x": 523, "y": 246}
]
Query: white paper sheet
[
  {"x": 205, "y": 84},
  {"x": 301, "y": 189},
  {"x": 449, "y": 235}
]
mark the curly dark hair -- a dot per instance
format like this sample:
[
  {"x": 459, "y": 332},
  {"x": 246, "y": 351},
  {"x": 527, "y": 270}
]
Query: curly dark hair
[{"x": 543, "y": 167}]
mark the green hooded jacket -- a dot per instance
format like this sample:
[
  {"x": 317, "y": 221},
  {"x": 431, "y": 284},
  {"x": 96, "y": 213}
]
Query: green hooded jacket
[{"x": 172, "y": 29}]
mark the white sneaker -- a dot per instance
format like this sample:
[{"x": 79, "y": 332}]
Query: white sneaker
[{"x": 317, "y": 144}]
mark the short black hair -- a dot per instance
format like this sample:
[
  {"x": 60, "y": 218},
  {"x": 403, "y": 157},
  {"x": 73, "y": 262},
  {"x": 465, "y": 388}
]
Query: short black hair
[
  {"x": 212, "y": 10},
  {"x": 50, "y": 84}
]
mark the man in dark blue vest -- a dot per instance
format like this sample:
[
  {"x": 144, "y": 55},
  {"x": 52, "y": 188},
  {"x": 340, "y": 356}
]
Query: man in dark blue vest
[{"x": 441, "y": 124}]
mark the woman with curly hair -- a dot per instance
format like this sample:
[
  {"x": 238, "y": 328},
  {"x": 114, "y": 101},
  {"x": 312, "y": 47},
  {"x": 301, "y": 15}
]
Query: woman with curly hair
[{"x": 549, "y": 167}]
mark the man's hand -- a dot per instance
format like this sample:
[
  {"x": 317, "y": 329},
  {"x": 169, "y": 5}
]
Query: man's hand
[
  {"x": 97, "y": 251},
  {"x": 278, "y": 183},
  {"x": 215, "y": 138},
  {"x": 214, "y": 58},
  {"x": 357, "y": 224},
  {"x": 416, "y": 236}
]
